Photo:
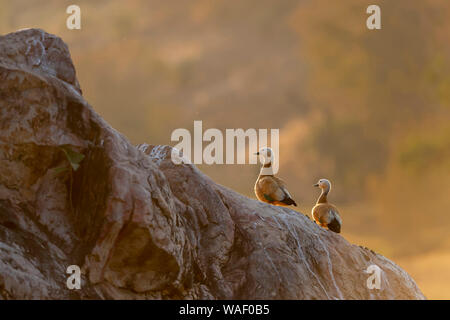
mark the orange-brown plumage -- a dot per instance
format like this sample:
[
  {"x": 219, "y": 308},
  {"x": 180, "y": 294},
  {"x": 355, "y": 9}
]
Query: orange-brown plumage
[
  {"x": 324, "y": 213},
  {"x": 269, "y": 188}
]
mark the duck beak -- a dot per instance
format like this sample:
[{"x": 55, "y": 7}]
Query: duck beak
[{"x": 315, "y": 185}]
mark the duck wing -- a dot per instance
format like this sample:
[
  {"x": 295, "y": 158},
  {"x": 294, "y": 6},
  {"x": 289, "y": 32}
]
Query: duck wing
[
  {"x": 275, "y": 191},
  {"x": 270, "y": 189},
  {"x": 288, "y": 198},
  {"x": 334, "y": 219},
  {"x": 327, "y": 214}
]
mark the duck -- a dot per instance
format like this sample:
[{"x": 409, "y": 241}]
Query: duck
[
  {"x": 324, "y": 213},
  {"x": 268, "y": 188}
]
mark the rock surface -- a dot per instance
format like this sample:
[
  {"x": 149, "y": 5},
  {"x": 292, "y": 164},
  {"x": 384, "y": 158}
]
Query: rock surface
[{"x": 139, "y": 226}]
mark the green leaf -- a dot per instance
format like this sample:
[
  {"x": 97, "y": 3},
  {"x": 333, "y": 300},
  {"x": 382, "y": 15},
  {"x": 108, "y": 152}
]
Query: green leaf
[
  {"x": 74, "y": 157},
  {"x": 60, "y": 169}
]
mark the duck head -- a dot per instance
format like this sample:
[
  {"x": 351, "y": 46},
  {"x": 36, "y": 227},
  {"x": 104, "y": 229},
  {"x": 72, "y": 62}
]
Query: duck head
[
  {"x": 266, "y": 154},
  {"x": 323, "y": 184}
]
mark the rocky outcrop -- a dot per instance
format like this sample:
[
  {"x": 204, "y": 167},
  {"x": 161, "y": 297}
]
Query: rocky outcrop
[{"x": 73, "y": 191}]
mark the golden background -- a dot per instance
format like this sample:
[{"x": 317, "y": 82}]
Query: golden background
[{"x": 367, "y": 109}]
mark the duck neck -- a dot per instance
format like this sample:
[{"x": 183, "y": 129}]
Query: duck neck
[
  {"x": 323, "y": 196},
  {"x": 266, "y": 170}
]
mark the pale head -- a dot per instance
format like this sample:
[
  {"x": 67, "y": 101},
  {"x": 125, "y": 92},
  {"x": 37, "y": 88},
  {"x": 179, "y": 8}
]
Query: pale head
[
  {"x": 323, "y": 184},
  {"x": 266, "y": 153}
]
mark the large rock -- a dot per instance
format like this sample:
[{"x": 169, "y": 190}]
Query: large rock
[{"x": 138, "y": 225}]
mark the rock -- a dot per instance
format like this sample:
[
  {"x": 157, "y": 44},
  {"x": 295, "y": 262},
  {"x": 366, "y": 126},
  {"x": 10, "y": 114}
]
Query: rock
[{"x": 139, "y": 226}]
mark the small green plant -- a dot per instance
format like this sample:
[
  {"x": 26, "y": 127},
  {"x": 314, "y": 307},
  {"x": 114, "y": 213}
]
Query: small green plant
[{"x": 74, "y": 158}]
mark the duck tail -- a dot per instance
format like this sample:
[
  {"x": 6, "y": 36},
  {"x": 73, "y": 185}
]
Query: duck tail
[{"x": 289, "y": 202}]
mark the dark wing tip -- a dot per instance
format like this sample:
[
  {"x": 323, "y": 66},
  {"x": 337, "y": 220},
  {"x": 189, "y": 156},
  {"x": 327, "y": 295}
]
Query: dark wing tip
[
  {"x": 289, "y": 201},
  {"x": 334, "y": 226}
]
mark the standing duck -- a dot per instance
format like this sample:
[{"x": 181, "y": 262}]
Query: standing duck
[
  {"x": 269, "y": 188},
  {"x": 325, "y": 214}
]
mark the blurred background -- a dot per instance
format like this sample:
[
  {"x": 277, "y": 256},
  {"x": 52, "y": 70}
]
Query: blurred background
[{"x": 367, "y": 109}]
